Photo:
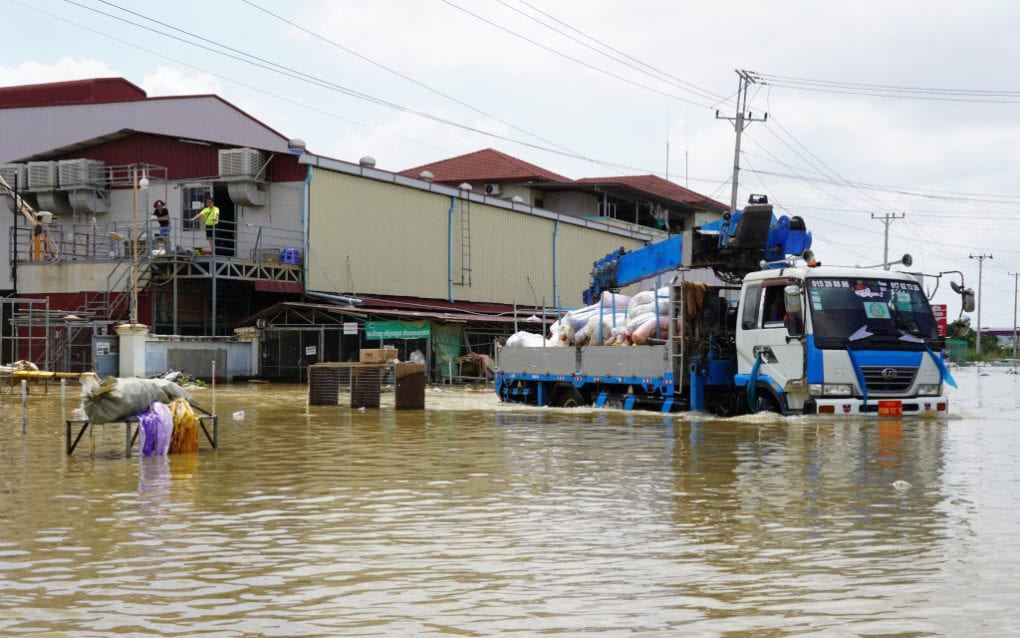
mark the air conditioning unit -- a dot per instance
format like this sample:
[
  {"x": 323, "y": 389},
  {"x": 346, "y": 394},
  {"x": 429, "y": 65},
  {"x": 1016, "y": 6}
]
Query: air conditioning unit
[
  {"x": 492, "y": 188},
  {"x": 82, "y": 173},
  {"x": 43, "y": 175},
  {"x": 11, "y": 171},
  {"x": 240, "y": 162}
]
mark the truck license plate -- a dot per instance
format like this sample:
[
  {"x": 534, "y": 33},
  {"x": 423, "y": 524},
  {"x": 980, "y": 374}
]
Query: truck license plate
[{"x": 890, "y": 408}]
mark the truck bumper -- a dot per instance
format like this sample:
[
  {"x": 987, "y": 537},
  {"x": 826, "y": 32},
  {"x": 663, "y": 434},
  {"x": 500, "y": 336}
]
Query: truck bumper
[{"x": 915, "y": 406}]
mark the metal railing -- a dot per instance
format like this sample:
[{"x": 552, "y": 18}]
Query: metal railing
[{"x": 62, "y": 241}]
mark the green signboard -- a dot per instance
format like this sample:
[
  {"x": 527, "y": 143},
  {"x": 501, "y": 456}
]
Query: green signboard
[{"x": 398, "y": 329}]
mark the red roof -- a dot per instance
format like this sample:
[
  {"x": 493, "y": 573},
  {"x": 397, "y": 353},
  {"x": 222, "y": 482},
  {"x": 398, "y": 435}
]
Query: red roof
[
  {"x": 487, "y": 165},
  {"x": 93, "y": 91},
  {"x": 655, "y": 185}
]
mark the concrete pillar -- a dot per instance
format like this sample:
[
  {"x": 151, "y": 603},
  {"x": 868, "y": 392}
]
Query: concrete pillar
[
  {"x": 254, "y": 337},
  {"x": 132, "y": 349}
]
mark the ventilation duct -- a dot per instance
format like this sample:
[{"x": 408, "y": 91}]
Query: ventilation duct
[
  {"x": 89, "y": 201},
  {"x": 54, "y": 201},
  {"x": 246, "y": 193}
]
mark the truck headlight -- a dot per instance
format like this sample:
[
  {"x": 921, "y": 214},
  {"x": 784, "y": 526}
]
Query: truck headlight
[
  {"x": 929, "y": 389},
  {"x": 815, "y": 389},
  {"x": 837, "y": 389}
]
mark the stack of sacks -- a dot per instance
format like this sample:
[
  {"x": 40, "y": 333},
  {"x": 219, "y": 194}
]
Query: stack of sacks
[
  {"x": 648, "y": 316},
  {"x": 581, "y": 327},
  {"x": 616, "y": 320},
  {"x": 595, "y": 332}
]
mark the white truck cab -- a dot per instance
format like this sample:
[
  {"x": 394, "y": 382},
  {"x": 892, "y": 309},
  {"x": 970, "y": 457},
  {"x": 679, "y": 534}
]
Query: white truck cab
[{"x": 839, "y": 340}]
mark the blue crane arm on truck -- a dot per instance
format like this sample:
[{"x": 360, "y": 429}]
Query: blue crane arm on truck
[
  {"x": 732, "y": 246},
  {"x": 776, "y": 336}
]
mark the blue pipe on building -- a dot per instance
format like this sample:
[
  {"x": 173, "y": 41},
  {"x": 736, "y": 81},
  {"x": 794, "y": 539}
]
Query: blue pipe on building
[
  {"x": 555, "y": 247},
  {"x": 353, "y": 301},
  {"x": 449, "y": 250}
]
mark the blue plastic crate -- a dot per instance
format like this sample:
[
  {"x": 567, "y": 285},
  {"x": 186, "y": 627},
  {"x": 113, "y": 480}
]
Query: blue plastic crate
[{"x": 290, "y": 256}]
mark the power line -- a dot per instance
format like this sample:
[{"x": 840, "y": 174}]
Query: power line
[
  {"x": 571, "y": 58},
  {"x": 403, "y": 76},
  {"x": 627, "y": 60},
  {"x": 890, "y": 91},
  {"x": 300, "y": 76}
]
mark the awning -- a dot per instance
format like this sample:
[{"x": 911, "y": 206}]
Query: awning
[{"x": 398, "y": 329}]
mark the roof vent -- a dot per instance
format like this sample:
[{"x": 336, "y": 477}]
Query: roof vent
[
  {"x": 465, "y": 187},
  {"x": 517, "y": 199},
  {"x": 367, "y": 161},
  {"x": 426, "y": 176},
  {"x": 297, "y": 146}
]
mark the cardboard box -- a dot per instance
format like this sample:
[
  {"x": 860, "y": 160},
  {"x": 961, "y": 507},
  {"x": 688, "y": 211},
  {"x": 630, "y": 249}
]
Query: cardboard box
[
  {"x": 389, "y": 353},
  {"x": 372, "y": 355}
]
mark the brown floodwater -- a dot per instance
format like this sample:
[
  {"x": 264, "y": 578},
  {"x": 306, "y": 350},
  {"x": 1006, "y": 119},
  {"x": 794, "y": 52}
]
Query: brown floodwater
[{"x": 473, "y": 518}]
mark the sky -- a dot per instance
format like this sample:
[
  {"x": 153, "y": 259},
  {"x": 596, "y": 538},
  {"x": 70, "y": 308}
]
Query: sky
[{"x": 880, "y": 114}]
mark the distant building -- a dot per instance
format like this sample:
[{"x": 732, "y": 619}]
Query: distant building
[{"x": 642, "y": 200}]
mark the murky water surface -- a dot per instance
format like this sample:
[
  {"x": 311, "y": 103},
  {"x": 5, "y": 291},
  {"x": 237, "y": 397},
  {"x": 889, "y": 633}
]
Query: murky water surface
[{"x": 472, "y": 518}]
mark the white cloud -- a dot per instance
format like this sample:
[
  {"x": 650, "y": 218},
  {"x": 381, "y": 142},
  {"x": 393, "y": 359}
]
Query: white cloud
[
  {"x": 168, "y": 80},
  {"x": 64, "y": 69}
]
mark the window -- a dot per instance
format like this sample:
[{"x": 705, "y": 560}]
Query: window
[
  {"x": 774, "y": 315},
  {"x": 752, "y": 301}
]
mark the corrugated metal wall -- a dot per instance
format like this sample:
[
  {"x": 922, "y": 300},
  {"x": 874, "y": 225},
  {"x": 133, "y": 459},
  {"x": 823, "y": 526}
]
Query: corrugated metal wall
[{"x": 369, "y": 237}]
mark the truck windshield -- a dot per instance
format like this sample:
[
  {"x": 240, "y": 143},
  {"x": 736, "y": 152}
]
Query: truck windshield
[{"x": 870, "y": 313}]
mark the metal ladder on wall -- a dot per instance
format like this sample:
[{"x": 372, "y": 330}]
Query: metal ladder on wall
[{"x": 465, "y": 242}]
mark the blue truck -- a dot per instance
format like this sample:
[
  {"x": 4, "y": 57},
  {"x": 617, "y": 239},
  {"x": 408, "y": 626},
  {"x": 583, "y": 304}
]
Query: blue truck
[{"x": 774, "y": 331}]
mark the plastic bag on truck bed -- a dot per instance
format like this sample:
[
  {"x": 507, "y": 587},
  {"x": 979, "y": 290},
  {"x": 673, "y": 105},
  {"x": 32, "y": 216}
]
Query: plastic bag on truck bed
[
  {"x": 116, "y": 399},
  {"x": 593, "y": 335},
  {"x": 525, "y": 339},
  {"x": 646, "y": 300}
]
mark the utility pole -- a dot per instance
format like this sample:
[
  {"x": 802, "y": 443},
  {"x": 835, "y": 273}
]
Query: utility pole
[
  {"x": 740, "y": 122},
  {"x": 981, "y": 262},
  {"x": 887, "y": 219},
  {"x": 1016, "y": 279}
]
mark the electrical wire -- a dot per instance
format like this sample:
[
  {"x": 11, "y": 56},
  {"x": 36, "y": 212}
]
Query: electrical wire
[
  {"x": 620, "y": 57},
  {"x": 571, "y": 58}
]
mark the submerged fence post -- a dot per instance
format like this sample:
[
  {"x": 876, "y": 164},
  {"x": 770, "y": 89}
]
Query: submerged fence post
[
  {"x": 214, "y": 386},
  {"x": 24, "y": 406}
]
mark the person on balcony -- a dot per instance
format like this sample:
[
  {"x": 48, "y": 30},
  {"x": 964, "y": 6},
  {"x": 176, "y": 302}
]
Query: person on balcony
[
  {"x": 162, "y": 215},
  {"x": 211, "y": 215}
]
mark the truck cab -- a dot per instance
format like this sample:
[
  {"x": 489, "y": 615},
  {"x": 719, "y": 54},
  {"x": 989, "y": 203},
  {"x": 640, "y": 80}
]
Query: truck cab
[{"x": 832, "y": 340}]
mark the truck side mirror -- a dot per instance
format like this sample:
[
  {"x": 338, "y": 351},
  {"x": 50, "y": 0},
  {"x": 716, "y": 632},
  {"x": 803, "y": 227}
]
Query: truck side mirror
[{"x": 794, "y": 311}]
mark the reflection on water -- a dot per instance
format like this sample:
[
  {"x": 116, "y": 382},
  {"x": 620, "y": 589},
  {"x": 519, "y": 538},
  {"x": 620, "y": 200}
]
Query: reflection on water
[{"x": 475, "y": 518}]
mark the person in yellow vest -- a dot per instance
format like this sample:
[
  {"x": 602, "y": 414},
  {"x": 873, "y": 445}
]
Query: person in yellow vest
[{"x": 211, "y": 215}]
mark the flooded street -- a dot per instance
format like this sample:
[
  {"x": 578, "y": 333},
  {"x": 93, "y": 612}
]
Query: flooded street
[{"x": 473, "y": 518}]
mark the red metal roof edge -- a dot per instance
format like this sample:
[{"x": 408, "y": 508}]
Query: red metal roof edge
[
  {"x": 141, "y": 96},
  {"x": 70, "y": 92},
  {"x": 638, "y": 182},
  {"x": 487, "y": 153}
]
